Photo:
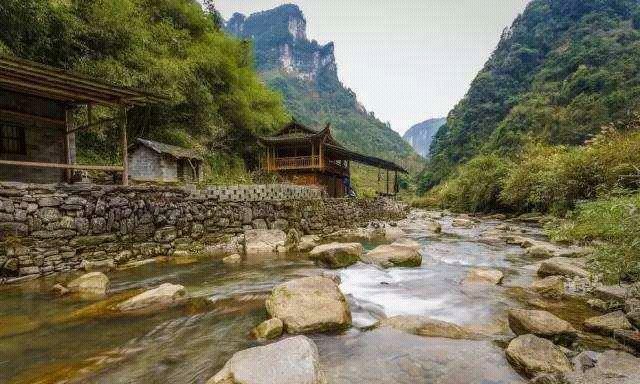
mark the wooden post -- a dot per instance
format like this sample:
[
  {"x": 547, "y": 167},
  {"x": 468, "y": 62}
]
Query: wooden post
[
  {"x": 321, "y": 156},
  {"x": 68, "y": 114},
  {"x": 396, "y": 187},
  {"x": 387, "y": 182},
  {"x": 125, "y": 149}
]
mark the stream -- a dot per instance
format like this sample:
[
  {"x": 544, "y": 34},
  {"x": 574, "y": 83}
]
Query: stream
[{"x": 49, "y": 339}]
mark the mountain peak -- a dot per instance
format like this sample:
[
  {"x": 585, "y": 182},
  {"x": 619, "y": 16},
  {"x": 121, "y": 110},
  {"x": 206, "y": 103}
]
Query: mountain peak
[{"x": 280, "y": 38}]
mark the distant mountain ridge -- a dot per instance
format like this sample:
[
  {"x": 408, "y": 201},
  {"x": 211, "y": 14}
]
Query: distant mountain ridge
[
  {"x": 306, "y": 74},
  {"x": 421, "y": 135}
]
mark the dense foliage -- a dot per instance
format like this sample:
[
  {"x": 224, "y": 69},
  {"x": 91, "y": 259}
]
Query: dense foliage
[
  {"x": 215, "y": 100},
  {"x": 545, "y": 178},
  {"x": 564, "y": 69}
]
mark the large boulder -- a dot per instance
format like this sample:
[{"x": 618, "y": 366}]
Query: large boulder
[
  {"x": 551, "y": 286},
  {"x": 91, "y": 284},
  {"x": 425, "y": 326},
  {"x": 542, "y": 324},
  {"x": 399, "y": 254},
  {"x": 164, "y": 296},
  {"x": 264, "y": 241},
  {"x": 310, "y": 304},
  {"x": 628, "y": 338},
  {"x": 533, "y": 355},
  {"x": 337, "y": 255},
  {"x": 612, "y": 293},
  {"x": 486, "y": 276},
  {"x": 541, "y": 251},
  {"x": 607, "y": 324},
  {"x": 563, "y": 266},
  {"x": 291, "y": 361}
]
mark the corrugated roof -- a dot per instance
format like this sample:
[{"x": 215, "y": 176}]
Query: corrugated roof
[{"x": 172, "y": 150}]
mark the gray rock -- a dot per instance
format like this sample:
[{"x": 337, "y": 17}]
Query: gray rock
[
  {"x": 308, "y": 242},
  {"x": 49, "y": 202},
  {"x": 462, "y": 223},
  {"x": 533, "y": 355},
  {"x": 233, "y": 259},
  {"x": 49, "y": 214},
  {"x": 398, "y": 254},
  {"x": 628, "y": 338},
  {"x": 337, "y": 255},
  {"x": 611, "y": 293},
  {"x": 310, "y": 304},
  {"x": 542, "y": 324},
  {"x": 563, "y": 266},
  {"x": 291, "y": 361},
  {"x": 607, "y": 324},
  {"x": 165, "y": 235}
]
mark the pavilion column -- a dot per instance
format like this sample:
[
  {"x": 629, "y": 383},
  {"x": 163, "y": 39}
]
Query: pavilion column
[
  {"x": 123, "y": 143},
  {"x": 387, "y": 181},
  {"x": 396, "y": 187}
]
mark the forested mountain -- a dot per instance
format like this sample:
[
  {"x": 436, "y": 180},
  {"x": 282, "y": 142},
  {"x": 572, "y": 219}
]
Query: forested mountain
[
  {"x": 215, "y": 100},
  {"x": 421, "y": 135},
  {"x": 564, "y": 69},
  {"x": 306, "y": 74}
]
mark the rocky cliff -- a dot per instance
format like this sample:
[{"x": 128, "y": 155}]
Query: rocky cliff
[
  {"x": 305, "y": 72},
  {"x": 421, "y": 135}
]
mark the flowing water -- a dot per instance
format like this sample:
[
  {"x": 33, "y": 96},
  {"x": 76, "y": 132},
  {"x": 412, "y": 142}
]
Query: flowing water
[{"x": 46, "y": 339}]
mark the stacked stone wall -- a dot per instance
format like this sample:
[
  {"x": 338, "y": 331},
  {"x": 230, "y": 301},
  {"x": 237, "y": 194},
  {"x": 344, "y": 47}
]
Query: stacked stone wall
[{"x": 46, "y": 228}]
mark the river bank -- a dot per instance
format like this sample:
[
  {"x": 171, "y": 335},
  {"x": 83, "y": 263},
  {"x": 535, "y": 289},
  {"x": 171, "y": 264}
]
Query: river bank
[{"x": 49, "y": 339}]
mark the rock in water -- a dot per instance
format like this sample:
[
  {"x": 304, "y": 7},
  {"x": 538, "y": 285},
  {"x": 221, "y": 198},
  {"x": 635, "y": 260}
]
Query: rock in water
[
  {"x": 563, "y": 266},
  {"x": 533, "y": 355},
  {"x": 291, "y": 361},
  {"x": 310, "y": 304},
  {"x": 308, "y": 242},
  {"x": 164, "y": 296},
  {"x": 542, "y": 324},
  {"x": 233, "y": 259},
  {"x": 433, "y": 226},
  {"x": 269, "y": 329},
  {"x": 491, "y": 276},
  {"x": 425, "y": 326},
  {"x": 541, "y": 251},
  {"x": 264, "y": 241},
  {"x": 552, "y": 286},
  {"x": 337, "y": 255},
  {"x": 610, "y": 367},
  {"x": 463, "y": 223},
  {"x": 607, "y": 324},
  {"x": 93, "y": 284},
  {"x": 399, "y": 254}
]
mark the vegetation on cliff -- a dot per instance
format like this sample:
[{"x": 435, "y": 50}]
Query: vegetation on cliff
[
  {"x": 216, "y": 101},
  {"x": 563, "y": 70}
]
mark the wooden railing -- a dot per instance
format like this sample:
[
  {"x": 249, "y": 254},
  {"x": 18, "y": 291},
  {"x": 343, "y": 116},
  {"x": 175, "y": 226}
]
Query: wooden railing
[
  {"x": 302, "y": 162},
  {"x": 305, "y": 162}
]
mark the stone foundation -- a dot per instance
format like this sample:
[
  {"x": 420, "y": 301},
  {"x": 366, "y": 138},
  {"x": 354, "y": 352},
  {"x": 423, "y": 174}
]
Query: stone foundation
[{"x": 60, "y": 228}]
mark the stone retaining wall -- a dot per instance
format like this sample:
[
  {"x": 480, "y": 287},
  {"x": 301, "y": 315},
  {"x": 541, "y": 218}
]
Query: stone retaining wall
[{"x": 47, "y": 228}]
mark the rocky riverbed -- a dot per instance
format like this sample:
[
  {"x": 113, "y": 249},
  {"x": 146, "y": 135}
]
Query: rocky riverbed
[{"x": 433, "y": 298}]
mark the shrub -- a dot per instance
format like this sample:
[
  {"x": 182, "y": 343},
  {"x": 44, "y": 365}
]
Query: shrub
[
  {"x": 475, "y": 186},
  {"x": 614, "y": 222}
]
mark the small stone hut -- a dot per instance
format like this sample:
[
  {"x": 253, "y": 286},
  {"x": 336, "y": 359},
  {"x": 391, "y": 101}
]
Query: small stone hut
[{"x": 151, "y": 161}]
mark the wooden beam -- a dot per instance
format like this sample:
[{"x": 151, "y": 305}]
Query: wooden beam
[
  {"x": 22, "y": 115},
  {"x": 125, "y": 149},
  {"x": 91, "y": 125},
  {"x": 106, "y": 168}
]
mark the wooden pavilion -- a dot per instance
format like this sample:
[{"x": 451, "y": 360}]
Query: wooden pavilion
[
  {"x": 37, "y": 133},
  {"x": 306, "y": 156}
]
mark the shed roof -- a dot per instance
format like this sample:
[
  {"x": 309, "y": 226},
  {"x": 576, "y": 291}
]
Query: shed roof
[
  {"x": 53, "y": 83},
  {"x": 171, "y": 150}
]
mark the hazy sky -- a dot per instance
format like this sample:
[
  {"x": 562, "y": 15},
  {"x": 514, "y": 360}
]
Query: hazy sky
[{"x": 407, "y": 60}]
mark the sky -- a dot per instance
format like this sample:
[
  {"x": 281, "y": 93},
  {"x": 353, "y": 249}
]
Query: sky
[{"x": 407, "y": 60}]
